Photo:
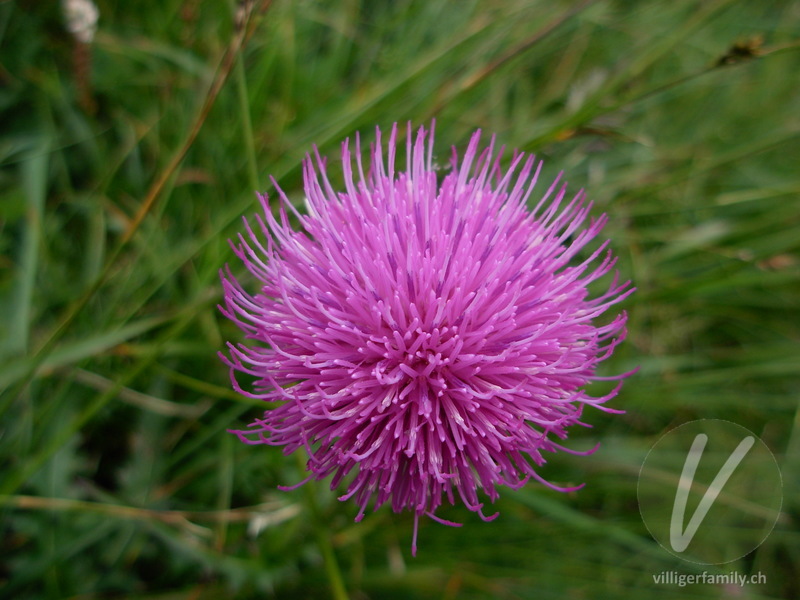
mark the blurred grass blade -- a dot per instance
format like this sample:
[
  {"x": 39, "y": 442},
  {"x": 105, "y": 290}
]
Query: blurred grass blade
[
  {"x": 73, "y": 352},
  {"x": 34, "y": 173}
]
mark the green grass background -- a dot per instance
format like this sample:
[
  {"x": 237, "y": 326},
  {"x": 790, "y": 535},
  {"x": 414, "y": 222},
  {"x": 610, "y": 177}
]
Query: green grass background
[{"x": 122, "y": 177}]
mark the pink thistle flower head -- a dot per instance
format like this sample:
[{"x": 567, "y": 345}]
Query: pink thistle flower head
[{"x": 423, "y": 336}]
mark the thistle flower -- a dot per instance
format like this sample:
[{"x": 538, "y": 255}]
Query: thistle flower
[{"x": 423, "y": 336}]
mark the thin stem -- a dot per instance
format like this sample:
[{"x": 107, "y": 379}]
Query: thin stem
[
  {"x": 271, "y": 512},
  {"x": 331, "y": 565},
  {"x": 247, "y": 124},
  {"x": 323, "y": 535}
]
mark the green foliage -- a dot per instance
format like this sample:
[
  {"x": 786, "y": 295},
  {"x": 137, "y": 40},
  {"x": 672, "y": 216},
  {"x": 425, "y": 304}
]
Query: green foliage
[{"x": 118, "y": 479}]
